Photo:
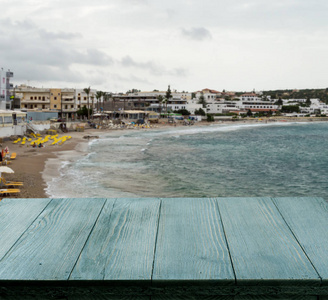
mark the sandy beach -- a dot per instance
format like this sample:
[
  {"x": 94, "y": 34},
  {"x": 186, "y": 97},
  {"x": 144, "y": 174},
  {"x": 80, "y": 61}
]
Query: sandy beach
[
  {"x": 37, "y": 166},
  {"x": 30, "y": 163}
]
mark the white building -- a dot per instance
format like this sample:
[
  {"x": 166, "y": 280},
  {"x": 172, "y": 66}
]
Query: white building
[
  {"x": 246, "y": 102},
  {"x": 82, "y": 99},
  {"x": 150, "y": 101},
  {"x": 222, "y": 106},
  {"x": 5, "y": 87},
  {"x": 208, "y": 94}
]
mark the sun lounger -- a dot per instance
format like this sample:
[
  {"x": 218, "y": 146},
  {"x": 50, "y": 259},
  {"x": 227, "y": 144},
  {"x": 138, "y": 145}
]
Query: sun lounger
[
  {"x": 55, "y": 141},
  {"x": 18, "y": 140},
  {"x": 8, "y": 191},
  {"x": 10, "y": 183},
  {"x": 63, "y": 140},
  {"x": 13, "y": 155}
]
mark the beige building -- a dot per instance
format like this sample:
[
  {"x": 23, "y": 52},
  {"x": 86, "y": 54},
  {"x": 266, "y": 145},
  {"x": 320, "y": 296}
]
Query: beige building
[
  {"x": 55, "y": 99},
  {"x": 33, "y": 98},
  {"x": 64, "y": 101}
]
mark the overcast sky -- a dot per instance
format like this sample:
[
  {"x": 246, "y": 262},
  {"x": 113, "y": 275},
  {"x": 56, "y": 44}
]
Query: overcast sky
[{"x": 118, "y": 45}]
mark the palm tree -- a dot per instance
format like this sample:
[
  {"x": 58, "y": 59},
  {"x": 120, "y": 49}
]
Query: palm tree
[
  {"x": 87, "y": 91},
  {"x": 99, "y": 94},
  {"x": 160, "y": 101},
  {"x": 105, "y": 98},
  {"x": 168, "y": 96}
]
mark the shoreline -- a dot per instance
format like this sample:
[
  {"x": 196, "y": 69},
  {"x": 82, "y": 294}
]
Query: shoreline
[{"x": 36, "y": 167}]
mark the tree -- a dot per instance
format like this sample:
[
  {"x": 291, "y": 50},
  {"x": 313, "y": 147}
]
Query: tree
[
  {"x": 160, "y": 101},
  {"x": 308, "y": 102},
  {"x": 290, "y": 109},
  {"x": 105, "y": 98},
  {"x": 249, "y": 113},
  {"x": 202, "y": 101},
  {"x": 168, "y": 96},
  {"x": 99, "y": 94},
  {"x": 183, "y": 112},
  {"x": 210, "y": 118},
  {"x": 87, "y": 91},
  {"x": 279, "y": 102},
  {"x": 200, "y": 112}
]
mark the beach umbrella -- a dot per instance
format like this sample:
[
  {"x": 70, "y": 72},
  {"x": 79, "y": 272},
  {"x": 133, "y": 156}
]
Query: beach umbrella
[{"x": 5, "y": 169}]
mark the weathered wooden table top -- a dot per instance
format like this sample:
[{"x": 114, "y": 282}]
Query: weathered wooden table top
[{"x": 226, "y": 245}]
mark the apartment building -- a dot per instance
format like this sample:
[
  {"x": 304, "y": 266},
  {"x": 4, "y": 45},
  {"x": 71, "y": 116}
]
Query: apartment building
[
  {"x": 5, "y": 87},
  {"x": 64, "y": 101},
  {"x": 150, "y": 101}
]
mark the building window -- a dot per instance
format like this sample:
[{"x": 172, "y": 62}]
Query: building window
[
  {"x": 85, "y": 98},
  {"x": 72, "y": 106},
  {"x": 43, "y": 98},
  {"x": 65, "y": 106},
  {"x": 35, "y": 106},
  {"x": 51, "y": 94},
  {"x": 39, "y": 97},
  {"x": 43, "y": 106},
  {"x": 55, "y": 106},
  {"x": 35, "y": 98},
  {"x": 78, "y": 98},
  {"x": 25, "y": 105},
  {"x": 31, "y": 98},
  {"x": 55, "y": 98},
  {"x": 58, "y": 94}
]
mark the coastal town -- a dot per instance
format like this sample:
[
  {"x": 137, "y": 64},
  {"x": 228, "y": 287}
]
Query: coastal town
[{"x": 71, "y": 104}]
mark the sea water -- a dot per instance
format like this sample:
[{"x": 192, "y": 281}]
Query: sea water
[{"x": 276, "y": 160}]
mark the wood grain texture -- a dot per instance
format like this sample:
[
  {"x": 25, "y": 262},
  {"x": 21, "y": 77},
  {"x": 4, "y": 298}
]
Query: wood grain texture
[
  {"x": 16, "y": 215},
  {"x": 263, "y": 249},
  {"x": 93, "y": 258},
  {"x": 198, "y": 297},
  {"x": 308, "y": 219},
  {"x": 50, "y": 247},
  {"x": 290, "y": 297},
  {"x": 78, "y": 297},
  {"x": 124, "y": 241},
  {"x": 191, "y": 243},
  {"x": 107, "y": 297}
]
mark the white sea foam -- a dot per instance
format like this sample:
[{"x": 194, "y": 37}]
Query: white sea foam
[{"x": 116, "y": 166}]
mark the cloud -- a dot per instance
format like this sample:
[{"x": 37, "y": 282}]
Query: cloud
[
  {"x": 198, "y": 34},
  {"x": 47, "y": 35},
  {"x": 151, "y": 66}
]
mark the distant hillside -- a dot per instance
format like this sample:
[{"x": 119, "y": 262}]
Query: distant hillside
[{"x": 322, "y": 94}]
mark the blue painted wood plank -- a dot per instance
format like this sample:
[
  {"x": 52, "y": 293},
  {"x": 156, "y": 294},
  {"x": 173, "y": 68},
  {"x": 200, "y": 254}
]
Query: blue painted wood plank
[
  {"x": 123, "y": 240},
  {"x": 191, "y": 243},
  {"x": 308, "y": 219},
  {"x": 92, "y": 261},
  {"x": 16, "y": 215},
  {"x": 50, "y": 247},
  {"x": 263, "y": 249}
]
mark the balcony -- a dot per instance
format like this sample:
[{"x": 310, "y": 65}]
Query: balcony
[
  {"x": 9, "y": 86},
  {"x": 68, "y": 100},
  {"x": 29, "y": 101},
  {"x": 9, "y": 74}
]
